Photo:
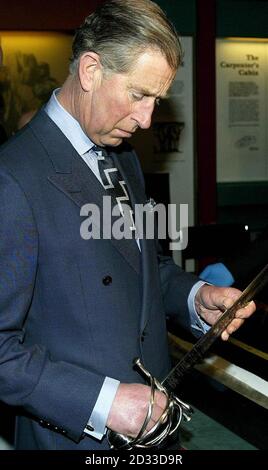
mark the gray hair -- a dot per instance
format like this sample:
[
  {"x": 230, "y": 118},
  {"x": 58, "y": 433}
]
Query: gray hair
[{"x": 120, "y": 30}]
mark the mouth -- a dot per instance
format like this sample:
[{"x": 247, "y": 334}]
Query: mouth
[{"x": 123, "y": 133}]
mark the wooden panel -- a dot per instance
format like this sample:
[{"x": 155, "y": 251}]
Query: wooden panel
[
  {"x": 37, "y": 15},
  {"x": 206, "y": 112}
]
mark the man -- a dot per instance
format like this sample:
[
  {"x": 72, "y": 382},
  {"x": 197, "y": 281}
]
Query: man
[{"x": 75, "y": 312}]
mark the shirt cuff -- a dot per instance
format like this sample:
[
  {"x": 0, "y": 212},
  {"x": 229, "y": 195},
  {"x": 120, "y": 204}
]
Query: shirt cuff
[
  {"x": 99, "y": 415},
  {"x": 196, "y": 321}
]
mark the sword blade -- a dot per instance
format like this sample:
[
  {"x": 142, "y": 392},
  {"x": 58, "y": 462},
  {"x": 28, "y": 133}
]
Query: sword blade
[{"x": 175, "y": 376}]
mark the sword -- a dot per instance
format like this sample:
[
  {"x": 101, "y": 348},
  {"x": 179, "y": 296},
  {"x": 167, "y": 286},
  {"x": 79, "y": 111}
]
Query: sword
[
  {"x": 176, "y": 409},
  {"x": 173, "y": 379}
]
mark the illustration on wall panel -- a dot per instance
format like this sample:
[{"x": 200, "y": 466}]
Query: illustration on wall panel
[{"x": 34, "y": 64}]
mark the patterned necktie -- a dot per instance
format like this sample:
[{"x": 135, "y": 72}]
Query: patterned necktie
[{"x": 114, "y": 184}]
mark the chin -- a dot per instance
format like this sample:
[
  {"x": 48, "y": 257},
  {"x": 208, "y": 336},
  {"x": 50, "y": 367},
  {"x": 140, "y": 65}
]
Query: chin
[{"x": 114, "y": 141}]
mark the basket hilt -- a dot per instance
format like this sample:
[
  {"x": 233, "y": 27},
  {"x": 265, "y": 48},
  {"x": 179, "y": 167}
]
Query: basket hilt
[{"x": 167, "y": 424}]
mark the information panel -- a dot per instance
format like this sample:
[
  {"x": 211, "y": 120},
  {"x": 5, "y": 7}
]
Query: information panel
[{"x": 242, "y": 110}]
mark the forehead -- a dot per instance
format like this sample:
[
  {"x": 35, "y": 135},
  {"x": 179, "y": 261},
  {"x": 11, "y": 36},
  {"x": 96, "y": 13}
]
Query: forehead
[{"x": 151, "y": 73}]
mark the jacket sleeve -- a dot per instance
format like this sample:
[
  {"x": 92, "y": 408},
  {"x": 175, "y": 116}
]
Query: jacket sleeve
[
  {"x": 60, "y": 395},
  {"x": 176, "y": 286}
]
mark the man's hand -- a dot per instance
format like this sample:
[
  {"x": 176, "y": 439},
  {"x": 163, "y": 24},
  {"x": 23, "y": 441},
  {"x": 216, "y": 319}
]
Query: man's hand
[
  {"x": 211, "y": 301},
  {"x": 130, "y": 407}
]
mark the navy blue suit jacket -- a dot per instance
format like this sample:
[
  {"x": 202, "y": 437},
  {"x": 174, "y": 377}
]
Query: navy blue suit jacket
[{"x": 62, "y": 329}]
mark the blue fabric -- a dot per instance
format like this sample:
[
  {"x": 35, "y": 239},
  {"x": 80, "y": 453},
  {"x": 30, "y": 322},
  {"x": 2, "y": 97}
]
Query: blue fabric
[
  {"x": 72, "y": 130},
  {"x": 62, "y": 328},
  {"x": 197, "y": 324},
  {"x": 217, "y": 274}
]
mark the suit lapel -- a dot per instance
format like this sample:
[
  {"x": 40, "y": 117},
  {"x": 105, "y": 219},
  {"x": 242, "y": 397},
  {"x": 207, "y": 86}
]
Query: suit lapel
[
  {"x": 148, "y": 249},
  {"x": 148, "y": 255},
  {"x": 83, "y": 187},
  {"x": 73, "y": 177}
]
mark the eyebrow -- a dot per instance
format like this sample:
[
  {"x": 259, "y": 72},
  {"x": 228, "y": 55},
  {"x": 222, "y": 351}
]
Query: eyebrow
[{"x": 146, "y": 92}]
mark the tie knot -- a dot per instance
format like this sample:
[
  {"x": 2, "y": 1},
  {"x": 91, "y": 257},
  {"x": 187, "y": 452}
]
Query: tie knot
[{"x": 98, "y": 149}]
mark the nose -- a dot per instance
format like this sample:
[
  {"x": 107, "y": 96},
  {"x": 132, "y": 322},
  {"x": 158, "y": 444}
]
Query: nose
[{"x": 143, "y": 114}]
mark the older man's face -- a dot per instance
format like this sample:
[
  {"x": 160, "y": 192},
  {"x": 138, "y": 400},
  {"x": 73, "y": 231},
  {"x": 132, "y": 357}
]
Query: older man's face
[{"x": 121, "y": 103}]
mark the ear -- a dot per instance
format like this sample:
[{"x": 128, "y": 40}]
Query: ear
[{"x": 89, "y": 67}]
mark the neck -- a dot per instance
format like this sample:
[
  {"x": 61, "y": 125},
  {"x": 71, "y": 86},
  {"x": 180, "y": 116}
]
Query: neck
[{"x": 67, "y": 95}]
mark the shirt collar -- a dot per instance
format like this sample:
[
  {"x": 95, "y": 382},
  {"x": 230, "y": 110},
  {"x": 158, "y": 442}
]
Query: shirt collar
[{"x": 69, "y": 126}]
